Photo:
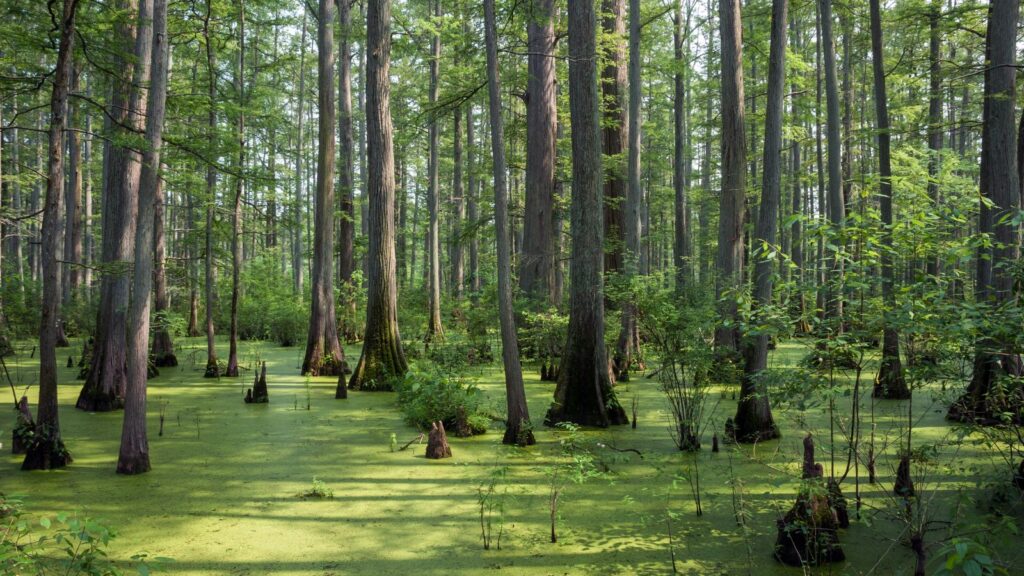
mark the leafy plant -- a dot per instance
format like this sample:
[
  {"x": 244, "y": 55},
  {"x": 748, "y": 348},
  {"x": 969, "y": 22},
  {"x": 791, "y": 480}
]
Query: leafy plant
[
  {"x": 319, "y": 490},
  {"x": 428, "y": 396}
]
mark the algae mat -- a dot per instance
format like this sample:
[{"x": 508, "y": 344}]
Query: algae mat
[{"x": 224, "y": 495}]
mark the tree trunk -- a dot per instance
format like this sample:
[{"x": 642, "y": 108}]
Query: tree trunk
[
  {"x": 212, "y": 367},
  {"x": 890, "y": 383},
  {"x": 835, "y": 201},
  {"x": 754, "y": 421},
  {"x": 346, "y": 177},
  {"x": 537, "y": 262},
  {"x": 935, "y": 118},
  {"x": 629, "y": 337},
  {"x": 46, "y": 449},
  {"x": 382, "y": 359},
  {"x": 681, "y": 159},
  {"x": 297, "y": 250},
  {"x": 473, "y": 209},
  {"x": 324, "y": 356},
  {"x": 458, "y": 208},
  {"x": 734, "y": 176},
  {"x": 236, "y": 238},
  {"x": 73, "y": 198},
  {"x": 614, "y": 123},
  {"x": 584, "y": 393},
  {"x": 1000, "y": 182},
  {"x": 435, "y": 330},
  {"x": 105, "y": 378},
  {"x": 163, "y": 345},
  {"x": 518, "y": 429},
  {"x": 133, "y": 457}
]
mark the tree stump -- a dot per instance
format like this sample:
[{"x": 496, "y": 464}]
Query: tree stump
[
  {"x": 714, "y": 443},
  {"x": 809, "y": 468},
  {"x": 904, "y": 487},
  {"x": 437, "y": 442},
  {"x": 837, "y": 501},
  {"x": 258, "y": 394},
  {"x": 808, "y": 533},
  {"x": 71, "y": 362},
  {"x": 341, "y": 390},
  {"x": 22, "y": 428}
]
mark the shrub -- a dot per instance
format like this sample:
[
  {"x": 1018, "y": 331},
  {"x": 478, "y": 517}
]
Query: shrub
[{"x": 428, "y": 396}]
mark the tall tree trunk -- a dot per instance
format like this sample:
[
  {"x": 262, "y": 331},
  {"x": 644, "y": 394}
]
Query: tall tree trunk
[
  {"x": 105, "y": 379},
  {"x": 458, "y": 207},
  {"x": 935, "y": 118},
  {"x": 734, "y": 177},
  {"x": 133, "y": 457},
  {"x": 212, "y": 366},
  {"x": 754, "y": 421},
  {"x": 835, "y": 200},
  {"x": 435, "y": 330},
  {"x": 73, "y": 198},
  {"x": 324, "y": 356},
  {"x": 681, "y": 159},
  {"x": 46, "y": 449},
  {"x": 297, "y": 250},
  {"x": 584, "y": 393},
  {"x": 537, "y": 262},
  {"x": 518, "y": 429},
  {"x": 472, "y": 207},
  {"x": 346, "y": 176},
  {"x": 614, "y": 123},
  {"x": 236, "y": 238},
  {"x": 382, "y": 359},
  {"x": 796, "y": 253},
  {"x": 629, "y": 337},
  {"x": 890, "y": 382},
  {"x": 983, "y": 401},
  {"x": 163, "y": 344}
]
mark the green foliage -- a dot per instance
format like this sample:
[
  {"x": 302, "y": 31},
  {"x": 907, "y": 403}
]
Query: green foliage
[
  {"x": 492, "y": 495},
  {"x": 269, "y": 310},
  {"x": 543, "y": 333},
  {"x": 426, "y": 396},
  {"x": 319, "y": 490},
  {"x": 965, "y": 557}
]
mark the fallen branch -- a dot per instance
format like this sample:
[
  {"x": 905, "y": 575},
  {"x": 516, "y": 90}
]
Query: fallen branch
[{"x": 415, "y": 440}]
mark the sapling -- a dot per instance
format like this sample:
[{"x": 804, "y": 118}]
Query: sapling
[
  {"x": 576, "y": 466},
  {"x": 491, "y": 497}
]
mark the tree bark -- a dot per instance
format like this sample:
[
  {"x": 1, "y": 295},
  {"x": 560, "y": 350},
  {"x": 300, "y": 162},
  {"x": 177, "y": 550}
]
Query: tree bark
[
  {"x": 835, "y": 200},
  {"x": 346, "y": 176},
  {"x": 1000, "y": 185},
  {"x": 472, "y": 207},
  {"x": 133, "y": 457},
  {"x": 297, "y": 250},
  {"x": 458, "y": 208},
  {"x": 584, "y": 393},
  {"x": 734, "y": 177},
  {"x": 73, "y": 198},
  {"x": 629, "y": 337},
  {"x": 614, "y": 122},
  {"x": 231, "y": 370},
  {"x": 890, "y": 383},
  {"x": 105, "y": 378},
  {"x": 537, "y": 262},
  {"x": 682, "y": 250},
  {"x": 212, "y": 366},
  {"x": 754, "y": 421},
  {"x": 935, "y": 117},
  {"x": 46, "y": 450},
  {"x": 435, "y": 330},
  {"x": 518, "y": 429},
  {"x": 382, "y": 359},
  {"x": 163, "y": 344},
  {"x": 324, "y": 356}
]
